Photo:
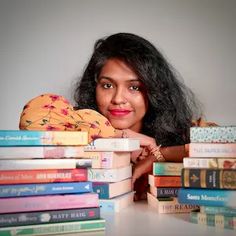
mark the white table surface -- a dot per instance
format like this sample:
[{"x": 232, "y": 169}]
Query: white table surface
[{"x": 140, "y": 219}]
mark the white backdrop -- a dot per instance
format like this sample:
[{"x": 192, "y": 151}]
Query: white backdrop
[{"x": 45, "y": 45}]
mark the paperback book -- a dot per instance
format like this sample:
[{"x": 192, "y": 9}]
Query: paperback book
[
  {"x": 169, "y": 205},
  {"x": 39, "y": 138},
  {"x": 113, "y": 145},
  {"x": 55, "y": 216},
  {"x": 20, "y": 190},
  {"x": 54, "y": 228}
]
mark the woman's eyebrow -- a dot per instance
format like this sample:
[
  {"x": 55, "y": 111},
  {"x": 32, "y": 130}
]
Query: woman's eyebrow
[{"x": 112, "y": 80}]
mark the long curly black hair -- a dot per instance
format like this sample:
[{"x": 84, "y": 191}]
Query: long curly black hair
[{"x": 172, "y": 105}]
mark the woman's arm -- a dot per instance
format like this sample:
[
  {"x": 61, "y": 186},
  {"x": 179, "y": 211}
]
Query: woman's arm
[{"x": 153, "y": 152}]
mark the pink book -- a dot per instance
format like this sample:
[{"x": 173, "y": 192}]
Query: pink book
[
  {"x": 49, "y": 202},
  {"x": 41, "y": 152}
]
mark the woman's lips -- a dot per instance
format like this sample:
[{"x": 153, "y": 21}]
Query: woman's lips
[{"x": 119, "y": 112}]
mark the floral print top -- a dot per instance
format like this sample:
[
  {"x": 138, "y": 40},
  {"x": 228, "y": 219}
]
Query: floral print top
[{"x": 54, "y": 112}]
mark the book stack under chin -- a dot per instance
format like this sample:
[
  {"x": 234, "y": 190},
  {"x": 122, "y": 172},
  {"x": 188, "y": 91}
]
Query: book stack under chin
[
  {"x": 44, "y": 187},
  {"x": 112, "y": 177},
  {"x": 209, "y": 176},
  {"x": 165, "y": 182}
]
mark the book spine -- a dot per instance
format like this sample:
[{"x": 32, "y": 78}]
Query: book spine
[
  {"x": 110, "y": 190},
  {"x": 165, "y": 181},
  {"x": 20, "y": 190},
  {"x": 164, "y": 192},
  {"x": 218, "y": 210},
  {"x": 38, "y": 138},
  {"x": 209, "y": 178},
  {"x": 42, "y": 217},
  {"x": 207, "y": 197},
  {"x": 218, "y": 134},
  {"x": 113, "y": 145},
  {"x": 41, "y": 152},
  {"x": 218, "y": 163},
  {"x": 164, "y": 168},
  {"x": 37, "y": 164},
  {"x": 62, "y": 228},
  {"x": 169, "y": 206},
  {"x": 109, "y": 175},
  {"x": 48, "y": 202},
  {"x": 108, "y": 160},
  {"x": 116, "y": 204},
  {"x": 43, "y": 176},
  {"x": 214, "y": 150},
  {"x": 222, "y": 221}
]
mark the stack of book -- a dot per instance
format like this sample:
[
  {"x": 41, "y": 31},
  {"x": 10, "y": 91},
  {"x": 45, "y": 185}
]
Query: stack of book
[
  {"x": 209, "y": 176},
  {"x": 44, "y": 188},
  {"x": 165, "y": 182},
  {"x": 111, "y": 171}
]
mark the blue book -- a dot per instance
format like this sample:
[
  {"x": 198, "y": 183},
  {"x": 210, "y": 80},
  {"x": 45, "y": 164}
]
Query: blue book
[
  {"x": 207, "y": 197},
  {"x": 42, "y": 138},
  {"x": 17, "y": 190}
]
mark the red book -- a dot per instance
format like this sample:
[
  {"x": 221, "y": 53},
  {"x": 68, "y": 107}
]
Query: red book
[
  {"x": 43, "y": 176},
  {"x": 164, "y": 181}
]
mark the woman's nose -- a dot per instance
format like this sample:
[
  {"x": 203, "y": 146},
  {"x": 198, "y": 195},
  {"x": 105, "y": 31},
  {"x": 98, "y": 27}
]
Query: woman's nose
[{"x": 119, "y": 96}]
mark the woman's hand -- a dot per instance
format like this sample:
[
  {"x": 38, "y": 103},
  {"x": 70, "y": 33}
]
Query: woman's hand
[{"x": 143, "y": 159}]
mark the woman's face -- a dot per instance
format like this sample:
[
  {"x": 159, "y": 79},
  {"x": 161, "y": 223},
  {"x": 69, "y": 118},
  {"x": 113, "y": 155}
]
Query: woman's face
[{"x": 120, "y": 96}]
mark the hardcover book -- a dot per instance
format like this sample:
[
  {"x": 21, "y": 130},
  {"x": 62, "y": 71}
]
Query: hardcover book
[
  {"x": 113, "y": 145},
  {"x": 48, "y": 202},
  {"x": 207, "y": 197},
  {"x": 213, "y": 134},
  {"x": 18, "y": 190},
  {"x": 109, "y": 175},
  {"x": 109, "y": 190},
  {"x": 109, "y": 160},
  {"x": 39, "y": 138},
  {"x": 116, "y": 204},
  {"x": 41, "y": 152},
  {"x": 167, "y": 168},
  {"x": 214, "y": 150},
  {"x": 217, "y": 220},
  {"x": 43, "y": 176},
  {"x": 218, "y": 163},
  {"x": 42, "y": 217},
  {"x": 208, "y": 178},
  {"x": 38, "y": 164},
  {"x": 54, "y": 228},
  {"x": 169, "y": 205},
  {"x": 164, "y": 181}
]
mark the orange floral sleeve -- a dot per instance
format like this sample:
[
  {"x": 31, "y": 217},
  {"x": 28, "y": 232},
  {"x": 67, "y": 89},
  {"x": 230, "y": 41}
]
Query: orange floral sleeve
[{"x": 54, "y": 112}]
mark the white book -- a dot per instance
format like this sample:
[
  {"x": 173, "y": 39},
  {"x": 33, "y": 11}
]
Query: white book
[
  {"x": 116, "y": 204},
  {"x": 109, "y": 175},
  {"x": 113, "y": 144},
  {"x": 37, "y": 164}
]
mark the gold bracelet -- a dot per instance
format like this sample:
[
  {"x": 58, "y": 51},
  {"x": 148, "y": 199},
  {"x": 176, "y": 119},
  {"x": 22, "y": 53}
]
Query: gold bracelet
[{"x": 156, "y": 152}]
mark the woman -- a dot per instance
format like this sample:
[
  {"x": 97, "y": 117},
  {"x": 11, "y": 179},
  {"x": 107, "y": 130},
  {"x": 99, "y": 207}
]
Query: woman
[
  {"x": 130, "y": 82},
  {"x": 137, "y": 93}
]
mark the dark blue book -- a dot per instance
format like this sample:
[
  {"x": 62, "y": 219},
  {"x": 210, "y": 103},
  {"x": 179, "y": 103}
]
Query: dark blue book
[
  {"x": 17, "y": 190},
  {"x": 41, "y": 217}
]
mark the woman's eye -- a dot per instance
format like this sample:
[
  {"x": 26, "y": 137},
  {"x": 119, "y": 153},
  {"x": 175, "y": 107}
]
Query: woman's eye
[
  {"x": 107, "y": 86},
  {"x": 135, "y": 88}
]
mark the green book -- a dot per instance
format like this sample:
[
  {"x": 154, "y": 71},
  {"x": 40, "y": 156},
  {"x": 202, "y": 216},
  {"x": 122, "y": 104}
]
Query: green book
[
  {"x": 54, "y": 228},
  {"x": 167, "y": 168}
]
